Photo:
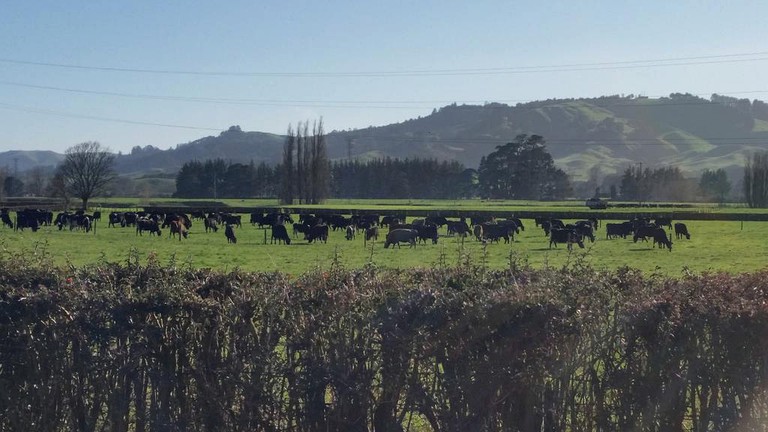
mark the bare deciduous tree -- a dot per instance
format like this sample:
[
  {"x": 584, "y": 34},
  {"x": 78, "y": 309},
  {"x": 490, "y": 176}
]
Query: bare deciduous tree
[{"x": 87, "y": 170}]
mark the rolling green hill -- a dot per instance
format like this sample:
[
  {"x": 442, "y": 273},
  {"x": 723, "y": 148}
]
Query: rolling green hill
[{"x": 611, "y": 132}]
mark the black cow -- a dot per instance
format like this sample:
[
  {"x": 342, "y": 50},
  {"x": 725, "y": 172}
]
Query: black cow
[
  {"x": 681, "y": 230},
  {"x": 427, "y": 232},
  {"x": 660, "y": 238},
  {"x": 584, "y": 229},
  {"x": 229, "y": 232},
  {"x": 279, "y": 233},
  {"x": 459, "y": 228},
  {"x": 663, "y": 221},
  {"x": 566, "y": 236},
  {"x": 618, "y": 230},
  {"x": 372, "y": 233},
  {"x": 436, "y": 220},
  {"x": 644, "y": 232},
  {"x": 6, "y": 218},
  {"x": 231, "y": 219},
  {"x": 115, "y": 219},
  {"x": 211, "y": 224},
  {"x": 397, "y": 236},
  {"x": 129, "y": 219},
  {"x": 495, "y": 232},
  {"x": 317, "y": 232},
  {"x": 392, "y": 219},
  {"x": 147, "y": 224}
]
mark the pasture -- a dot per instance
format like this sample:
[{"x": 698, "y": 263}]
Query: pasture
[{"x": 714, "y": 246}]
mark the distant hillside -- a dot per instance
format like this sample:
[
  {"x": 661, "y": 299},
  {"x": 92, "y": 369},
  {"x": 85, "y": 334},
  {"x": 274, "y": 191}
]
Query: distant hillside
[
  {"x": 609, "y": 132},
  {"x": 232, "y": 145},
  {"x": 24, "y": 160}
]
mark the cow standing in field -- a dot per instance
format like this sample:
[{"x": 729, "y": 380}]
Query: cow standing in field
[
  {"x": 372, "y": 233},
  {"x": 6, "y": 218},
  {"x": 397, "y": 236},
  {"x": 681, "y": 230},
  {"x": 178, "y": 228},
  {"x": 350, "y": 232},
  {"x": 317, "y": 232},
  {"x": 280, "y": 234},
  {"x": 210, "y": 224},
  {"x": 229, "y": 232},
  {"x": 660, "y": 238},
  {"x": 146, "y": 224},
  {"x": 566, "y": 236}
]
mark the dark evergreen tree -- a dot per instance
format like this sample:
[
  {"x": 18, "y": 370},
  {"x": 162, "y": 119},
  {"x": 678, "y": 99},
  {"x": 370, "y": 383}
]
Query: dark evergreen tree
[{"x": 522, "y": 169}]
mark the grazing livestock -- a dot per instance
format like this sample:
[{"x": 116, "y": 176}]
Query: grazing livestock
[
  {"x": 390, "y": 220},
  {"x": 211, "y": 224},
  {"x": 350, "y": 234},
  {"x": 229, "y": 232},
  {"x": 566, "y": 236},
  {"x": 681, "y": 230},
  {"x": 317, "y": 232},
  {"x": 146, "y": 224},
  {"x": 622, "y": 230},
  {"x": 178, "y": 228},
  {"x": 644, "y": 232},
  {"x": 436, "y": 220},
  {"x": 279, "y": 233},
  {"x": 232, "y": 219},
  {"x": 301, "y": 228},
  {"x": 372, "y": 233},
  {"x": 397, "y": 236},
  {"x": 477, "y": 230},
  {"x": 494, "y": 232},
  {"x": 663, "y": 221},
  {"x": 584, "y": 229},
  {"x": 459, "y": 228},
  {"x": 427, "y": 232},
  {"x": 115, "y": 219},
  {"x": 6, "y": 218},
  {"x": 660, "y": 238}
]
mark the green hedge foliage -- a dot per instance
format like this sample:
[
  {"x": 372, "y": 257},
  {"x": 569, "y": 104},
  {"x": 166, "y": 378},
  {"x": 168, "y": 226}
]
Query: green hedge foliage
[{"x": 151, "y": 347}]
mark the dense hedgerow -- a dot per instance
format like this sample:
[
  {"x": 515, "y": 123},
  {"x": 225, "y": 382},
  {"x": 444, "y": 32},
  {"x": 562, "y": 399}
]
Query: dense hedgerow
[{"x": 150, "y": 347}]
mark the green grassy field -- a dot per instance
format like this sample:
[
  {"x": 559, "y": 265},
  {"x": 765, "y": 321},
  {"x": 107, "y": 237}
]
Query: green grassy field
[{"x": 714, "y": 246}]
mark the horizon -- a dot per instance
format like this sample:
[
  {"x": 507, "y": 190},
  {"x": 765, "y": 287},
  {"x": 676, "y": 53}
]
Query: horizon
[{"x": 143, "y": 73}]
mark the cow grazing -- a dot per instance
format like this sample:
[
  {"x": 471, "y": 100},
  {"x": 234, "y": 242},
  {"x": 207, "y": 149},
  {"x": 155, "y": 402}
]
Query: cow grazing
[
  {"x": 477, "y": 230},
  {"x": 495, "y": 232},
  {"x": 566, "y": 236},
  {"x": 350, "y": 233},
  {"x": 459, "y": 228},
  {"x": 372, "y": 233},
  {"x": 178, "y": 228},
  {"x": 280, "y": 234},
  {"x": 436, "y": 220},
  {"x": 6, "y": 218},
  {"x": 660, "y": 238},
  {"x": 317, "y": 232},
  {"x": 663, "y": 221},
  {"x": 613, "y": 230},
  {"x": 229, "y": 232},
  {"x": 427, "y": 232},
  {"x": 211, "y": 224},
  {"x": 146, "y": 224},
  {"x": 681, "y": 230},
  {"x": 232, "y": 219},
  {"x": 397, "y": 236},
  {"x": 644, "y": 232}
]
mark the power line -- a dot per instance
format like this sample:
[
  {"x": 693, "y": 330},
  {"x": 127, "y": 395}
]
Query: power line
[
  {"x": 628, "y": 64},
  {"x": 362, "y": 103},
  {"x": 107, "y": 119}
]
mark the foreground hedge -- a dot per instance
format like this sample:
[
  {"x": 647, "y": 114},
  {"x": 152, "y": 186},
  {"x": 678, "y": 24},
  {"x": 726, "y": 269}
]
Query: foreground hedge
[{"x": 129, "y": 347}]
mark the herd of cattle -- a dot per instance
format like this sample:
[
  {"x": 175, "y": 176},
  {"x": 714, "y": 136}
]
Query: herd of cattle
[{"x": 317, "y": 227}]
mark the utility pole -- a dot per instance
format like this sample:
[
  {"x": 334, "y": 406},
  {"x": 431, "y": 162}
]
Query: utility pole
[{"x": 350, "y": 143}]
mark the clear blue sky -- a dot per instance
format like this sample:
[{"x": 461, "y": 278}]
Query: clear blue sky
[{"x": 263, "y": 65}]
